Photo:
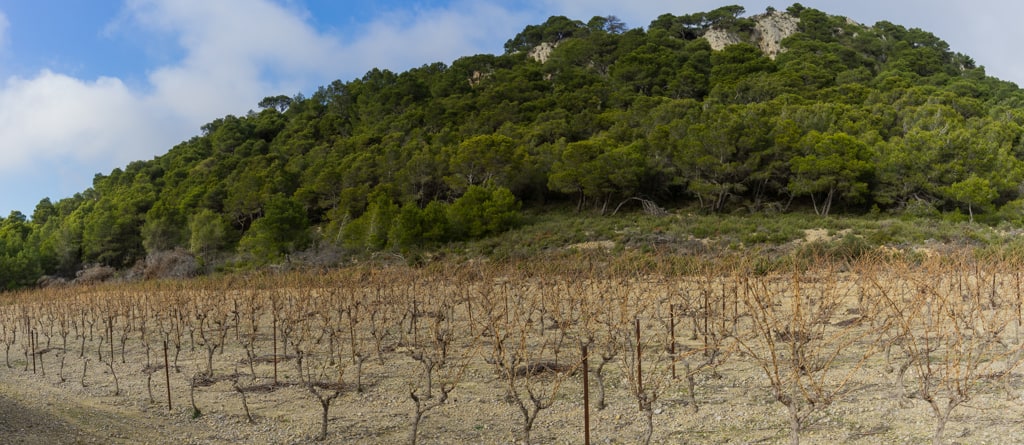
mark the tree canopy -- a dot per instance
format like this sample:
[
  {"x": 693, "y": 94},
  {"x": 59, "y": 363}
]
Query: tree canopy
[{"x": 848, "y": 118}]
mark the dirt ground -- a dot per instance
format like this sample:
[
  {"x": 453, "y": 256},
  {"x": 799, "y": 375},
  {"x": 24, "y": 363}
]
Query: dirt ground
[
  {"x": 83, "y": 402},
  {"x": 735, "y": 407},
  {"x": 33, "y": 412}
]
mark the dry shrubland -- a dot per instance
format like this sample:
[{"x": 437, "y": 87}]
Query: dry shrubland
[{"x": 499, "y": 352}]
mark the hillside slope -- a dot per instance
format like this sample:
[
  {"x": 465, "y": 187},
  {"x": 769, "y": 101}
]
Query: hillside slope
[{"x": 803, "y": 111}]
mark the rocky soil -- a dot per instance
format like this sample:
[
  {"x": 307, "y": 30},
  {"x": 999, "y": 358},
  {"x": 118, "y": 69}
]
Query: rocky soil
[
  {"x": 734, "y": 407},
  {"x": 87, "y": 391}
]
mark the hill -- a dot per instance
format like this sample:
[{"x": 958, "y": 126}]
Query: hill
[{"x": 712, "y": 113}]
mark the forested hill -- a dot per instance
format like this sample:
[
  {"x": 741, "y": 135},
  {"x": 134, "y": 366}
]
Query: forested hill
[{"x": 844, "y": 118}]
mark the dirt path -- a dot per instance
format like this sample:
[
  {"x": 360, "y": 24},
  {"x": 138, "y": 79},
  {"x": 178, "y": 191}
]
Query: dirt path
[
  {"x": 22, "y": 424},
  {"x": 38, "y": 414}
]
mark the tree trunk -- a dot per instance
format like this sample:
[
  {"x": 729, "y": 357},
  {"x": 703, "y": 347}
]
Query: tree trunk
[
  {"x": 326, "y": 405},
  {"x": 940, "y": 430},
  {"x": 649, "y": 415},
  {"x": 417, "y": 416},
  {"x": 941, "y": 417},
  {"x": 794, "y": 425},
  {"x": 828, "y": 201},
  {"x": 599, "y": 375},
  {"x": 691, "y": 384}
]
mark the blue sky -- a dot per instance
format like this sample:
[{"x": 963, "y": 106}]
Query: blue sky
[{"x": 89, "y": 86}]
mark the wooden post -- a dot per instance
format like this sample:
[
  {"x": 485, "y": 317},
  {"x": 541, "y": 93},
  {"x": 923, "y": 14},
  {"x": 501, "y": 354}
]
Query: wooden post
[
  {"x": 672, "y": 336},
  {"x": 110, "y": 336},
  {"x": 586, "y": 398},
  {"x": 707, "y": 309},
  {"x": 273, "y": 339},
  {"x": 32, "y": 346},
  {"x": 639, "y": 368},
  {"x": 167, "y": 375}
]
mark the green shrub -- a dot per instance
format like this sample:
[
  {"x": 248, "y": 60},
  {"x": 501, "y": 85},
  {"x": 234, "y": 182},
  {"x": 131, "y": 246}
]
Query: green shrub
[
  {"x": 282, "y": 229},
  {"x": 483, "y": 211}
]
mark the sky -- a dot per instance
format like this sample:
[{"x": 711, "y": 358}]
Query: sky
[{"x": 89, "y": 86}]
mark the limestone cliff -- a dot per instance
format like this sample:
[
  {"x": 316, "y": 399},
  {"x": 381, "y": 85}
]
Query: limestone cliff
[
  {"x": 771, "y": 28},
  {"x": 541, "y": 52},
  {"x": 720, "y": 38},
  {"x": 769, "y": 31}
]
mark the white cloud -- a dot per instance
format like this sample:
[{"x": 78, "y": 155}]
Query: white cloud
[
  {"x": 400, "y": 40},
  {"x": 236, "y": 52},
  {"x": 233, "y": 53},
  {"x": 53, "y": 116}
]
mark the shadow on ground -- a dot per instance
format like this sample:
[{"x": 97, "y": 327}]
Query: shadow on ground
[{"x": 20, "y": 424}]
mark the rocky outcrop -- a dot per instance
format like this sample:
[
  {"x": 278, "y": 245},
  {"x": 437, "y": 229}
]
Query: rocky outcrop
[
  {"x": 771, "y": 28},
  {"x": 720, "y": 38},
  {"x": 541, "y": 52},
  {"x": 769, "y": 31}
]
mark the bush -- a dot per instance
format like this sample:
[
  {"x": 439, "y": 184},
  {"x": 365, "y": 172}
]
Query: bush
[
  {"x": 1012, "y": 212},
  {"x": 94, "y": 274},
  {"x": 407, "y": 230},
  {"x": 483, "y": 211},
  {"x": 919, "y": 208},
  {"x": 282, "y": 229},
  {"x": 847, "y": 248},
  {"x": 176, "y": 263}
]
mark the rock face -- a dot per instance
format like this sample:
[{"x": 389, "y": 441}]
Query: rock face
[
  {"x": 541, "y": 52},
  {"x": 769, "y": 31},
  {"x": 720, "y": 38},
  {"x": 771, "y": 28}
]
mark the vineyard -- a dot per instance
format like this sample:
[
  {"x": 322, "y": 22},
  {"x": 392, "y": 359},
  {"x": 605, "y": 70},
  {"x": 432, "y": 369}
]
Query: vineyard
[{"x": 589, "y": 348}]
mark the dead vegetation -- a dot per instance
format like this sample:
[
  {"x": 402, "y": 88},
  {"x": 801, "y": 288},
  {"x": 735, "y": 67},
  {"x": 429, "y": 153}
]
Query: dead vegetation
[{"x": 943, "y": 332}]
